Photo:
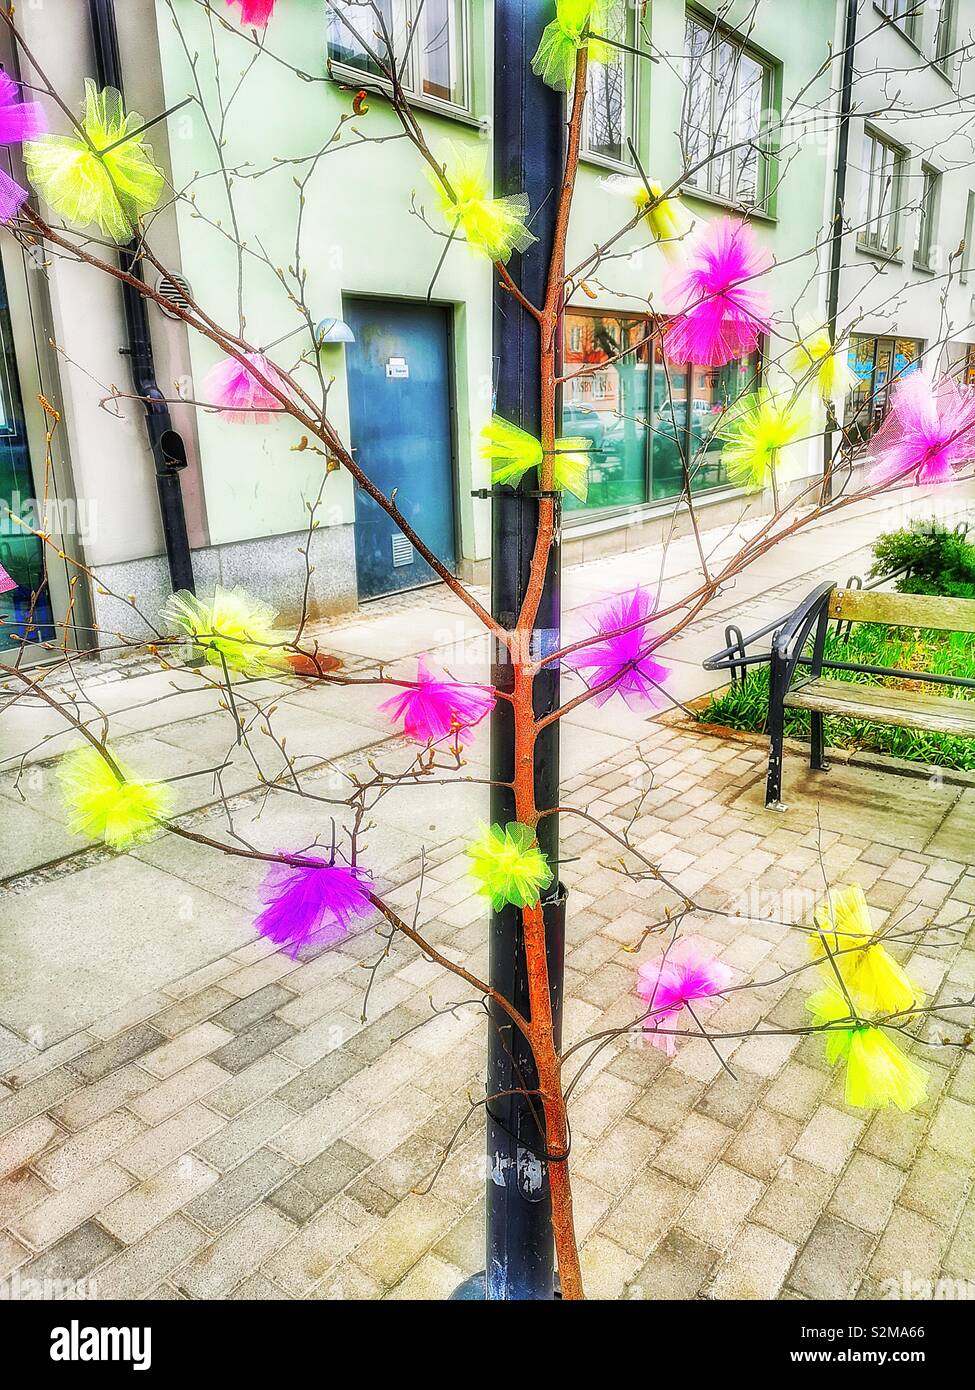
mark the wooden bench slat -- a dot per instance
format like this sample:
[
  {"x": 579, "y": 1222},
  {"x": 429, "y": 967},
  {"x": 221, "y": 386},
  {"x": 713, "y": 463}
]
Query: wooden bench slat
[
  {"x": 885, "y": 705},
  {"x": 903, "y": 610}
]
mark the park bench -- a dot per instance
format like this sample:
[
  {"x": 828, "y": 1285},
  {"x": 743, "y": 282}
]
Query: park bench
[{"x": 879, "y": 704}]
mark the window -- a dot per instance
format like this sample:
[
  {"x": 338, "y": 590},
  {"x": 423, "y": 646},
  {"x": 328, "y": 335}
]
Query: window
[
  {"x": 881, "y": 179},
  {"x": 877, "y": 364},
  {"x": 968, "y": 254},
  {"x": 689, "y": 403},
  {"x": 906, "y": 14},
  {"x": 944, "y": 33},
  {"x": 611, "y": 90},
  {"x": 641, "y": 416},
  {"x": 927, "y": 214},
  {"x": 429, "y": 41},
  {"x": 728, "y": 92}
]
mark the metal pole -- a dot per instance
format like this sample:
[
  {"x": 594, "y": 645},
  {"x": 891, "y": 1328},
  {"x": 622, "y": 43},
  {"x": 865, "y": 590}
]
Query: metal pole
[
  {"x": 529, "y": 139},
  {"x": 839, "y": 200}
]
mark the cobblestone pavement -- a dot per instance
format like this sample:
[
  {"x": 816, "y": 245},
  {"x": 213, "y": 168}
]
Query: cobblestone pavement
[{"x": 187, "y": 1113}]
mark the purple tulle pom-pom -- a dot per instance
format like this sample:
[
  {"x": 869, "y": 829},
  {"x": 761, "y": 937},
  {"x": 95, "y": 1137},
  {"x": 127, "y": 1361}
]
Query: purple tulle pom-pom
[
  {"x": 622, "y": 658},
  {"x": 314, "y": 901}
]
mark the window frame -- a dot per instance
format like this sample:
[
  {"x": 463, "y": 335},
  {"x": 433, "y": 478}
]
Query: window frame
[
  {"x": 631, "y": 101},
  {"x": 944, "y": 33},
  {"x": 717, "y": 33},
  {"x": 906, "y": 16},
  {"x": 865, "y": 240},
  {"x": 927, "y": 216},
  {"x": 412, "y": 80},
  {"x": 967, "y": 258}
]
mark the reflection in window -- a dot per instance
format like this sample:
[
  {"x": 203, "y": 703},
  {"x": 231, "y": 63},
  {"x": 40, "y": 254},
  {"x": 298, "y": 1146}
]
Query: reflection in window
[
  {"x": 689, "y": 404},
  {"x": 605, "y": 402},
  {"x": 727, "y": 92},
  {"x": 877, "y": 365},
  {"x": 429, "y": 41},
  {"x": 641, "y": 425},
  {"x": 610, "y": 92}
]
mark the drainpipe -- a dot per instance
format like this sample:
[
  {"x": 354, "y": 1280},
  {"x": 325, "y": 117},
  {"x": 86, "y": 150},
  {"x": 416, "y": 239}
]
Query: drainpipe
[
  {"x": 166, "y": 443},
  {"x": 839, "y": 199}
]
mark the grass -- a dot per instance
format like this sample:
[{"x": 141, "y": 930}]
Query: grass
[{"x": 744, "y": 705}]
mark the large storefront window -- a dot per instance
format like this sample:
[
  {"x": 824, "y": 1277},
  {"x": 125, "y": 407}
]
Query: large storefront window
[
  {"x": 643, "y": 417},
  {"x": 25, "y": 608},
  {"x": 877, "y": 365}
]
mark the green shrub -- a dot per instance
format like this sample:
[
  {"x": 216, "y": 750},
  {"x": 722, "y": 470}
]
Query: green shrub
[{"x": 942, "y": 561}]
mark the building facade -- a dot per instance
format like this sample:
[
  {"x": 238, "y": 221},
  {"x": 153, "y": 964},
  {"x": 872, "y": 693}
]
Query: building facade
[{"x": 738, "y": 103}]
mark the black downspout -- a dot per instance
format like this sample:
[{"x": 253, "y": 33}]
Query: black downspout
[
  {"x": 168, "y": 449},
  {"x": 839, "y": 200}
]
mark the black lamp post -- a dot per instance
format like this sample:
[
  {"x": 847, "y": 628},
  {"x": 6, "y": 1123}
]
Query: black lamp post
[{"x": 529, "y": 141}]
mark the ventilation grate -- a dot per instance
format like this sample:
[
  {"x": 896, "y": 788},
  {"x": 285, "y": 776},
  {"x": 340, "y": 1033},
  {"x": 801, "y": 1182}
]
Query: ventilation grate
[
  {"x": 403, "y": 551},
  {"x": 176, "y": 291}
]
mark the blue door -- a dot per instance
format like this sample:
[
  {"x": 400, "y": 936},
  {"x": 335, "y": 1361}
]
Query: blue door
[{"x": 400, "y": 416}]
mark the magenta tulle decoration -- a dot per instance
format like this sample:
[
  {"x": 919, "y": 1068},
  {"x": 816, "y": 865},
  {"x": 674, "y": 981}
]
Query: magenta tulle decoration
[
  {"x": 670, "y": 985},
  {"x": 256, "y": 12},
  {"x": 6, "y": 582},
  {"x": 929, "y": 431},
  {"x": 623, "y": 658},
  {"x": 315, "y": 901},
  {"x": 19, "y": 121},
  {"x": 237, "y": 391},
  {"x": 719, "y": 310},
  {"x": 436, "y": 709}
]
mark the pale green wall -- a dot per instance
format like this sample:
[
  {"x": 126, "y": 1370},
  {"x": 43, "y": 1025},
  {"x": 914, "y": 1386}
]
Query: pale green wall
[{"x": 361, "y": 238}]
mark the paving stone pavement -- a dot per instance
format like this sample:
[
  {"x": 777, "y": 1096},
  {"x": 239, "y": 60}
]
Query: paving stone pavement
[{"x": 236, "y": 1130}]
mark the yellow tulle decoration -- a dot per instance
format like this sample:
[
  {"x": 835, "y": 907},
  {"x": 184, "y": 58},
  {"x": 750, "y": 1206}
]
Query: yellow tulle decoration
[
  {"x": 668, "y": 219},
  {"x": 828, "y": 366},
  {"x": 234, "y": 628},
  {"x": 122, "y": 811},
  {"x": 555, "y": 58},
  {"x": 106, "y": 179},
  {"x": 867, "y": 967},
  {"x": 509, "y": 865},
  {"x": 755, "y": 429},
  {"x": 878, "y": 1072},
  {"x": 493, "y": 226},
  {"x": 512, "y": 452}
]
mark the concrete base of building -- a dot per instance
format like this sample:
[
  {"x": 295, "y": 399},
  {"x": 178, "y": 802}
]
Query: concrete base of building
[{"x": 128, "y": 594}]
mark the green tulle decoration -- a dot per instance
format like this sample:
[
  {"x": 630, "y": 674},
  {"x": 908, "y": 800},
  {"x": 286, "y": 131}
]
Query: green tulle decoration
[
  {"x": 512, "y": 452},
  {"x": 121, "y": 810},
  {"x": 755, "y": 429},
  {"x": 234, "y": 629},
  {"x": 493, "y": 226},
  {"x": 510, "y": 867},
  {"x": 555, "y": 58},
  {"x": 106, "y": 179}
]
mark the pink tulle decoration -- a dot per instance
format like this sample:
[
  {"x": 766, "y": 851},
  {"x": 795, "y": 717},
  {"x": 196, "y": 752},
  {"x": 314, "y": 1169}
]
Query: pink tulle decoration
[
  {"x": 19, "y": 120},
  {"x": 929, "y": 431},
  {"x": 720, "y": 312},
  {"x": 669, "y": 985},
  {"x": 237, "y": 391},
  {"x": 623, "y": 658},
  {"x": 436, "y": 709},
  {"x": 6, "y": 583},
  {"x": 307, "y": 904},
  {"x": 256, "y": 12}
]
